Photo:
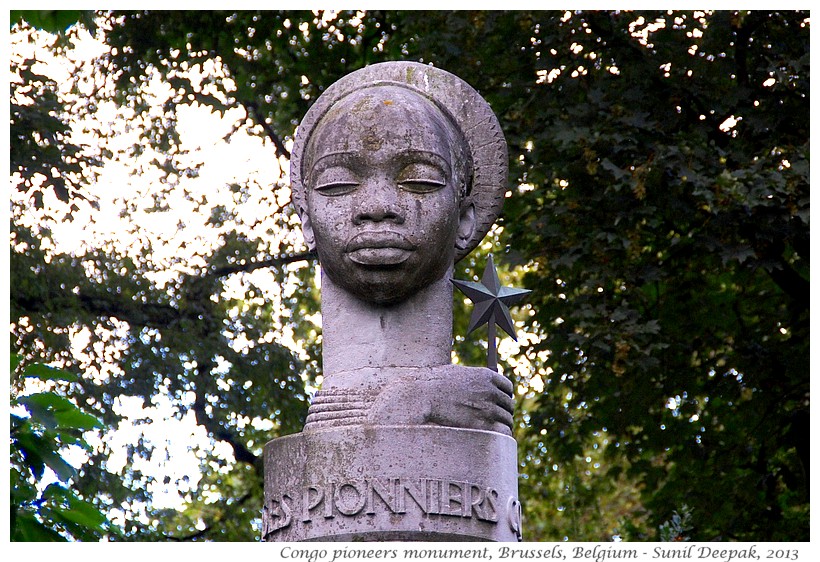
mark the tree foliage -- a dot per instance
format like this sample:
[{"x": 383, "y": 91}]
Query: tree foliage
[
  {"x": 48, "y": 425},
  {"x": 659, "y": 210}
]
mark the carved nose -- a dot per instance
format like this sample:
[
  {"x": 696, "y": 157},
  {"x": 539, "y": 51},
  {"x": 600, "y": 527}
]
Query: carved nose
[
  {"x": 378, "y": 204},
  {"x": 378, "y": 215}
]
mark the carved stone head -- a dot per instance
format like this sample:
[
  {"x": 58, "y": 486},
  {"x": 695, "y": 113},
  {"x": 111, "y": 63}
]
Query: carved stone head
[{"x": 391, "y": 184}]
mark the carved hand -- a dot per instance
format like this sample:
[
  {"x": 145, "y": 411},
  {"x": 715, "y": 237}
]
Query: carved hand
[{"x": 450, "y": 396}]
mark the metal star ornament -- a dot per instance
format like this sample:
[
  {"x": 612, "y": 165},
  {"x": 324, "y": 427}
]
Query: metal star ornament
[{"x": 491, "y": 302}]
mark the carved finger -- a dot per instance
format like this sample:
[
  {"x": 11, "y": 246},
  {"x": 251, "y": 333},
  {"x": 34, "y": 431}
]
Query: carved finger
[
  {"x": 502, "y": 429},
  {"x": 502, "y": 383},
  {"x": 503, "y": 416},
  {"x": 475, "y": 413},
  {"x": 504, "y": 400},
  {"x": 493, "y": 418}
]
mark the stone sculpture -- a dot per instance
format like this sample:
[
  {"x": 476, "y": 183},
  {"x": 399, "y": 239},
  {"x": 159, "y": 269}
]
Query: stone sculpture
[{"x": 398, "y": 170}]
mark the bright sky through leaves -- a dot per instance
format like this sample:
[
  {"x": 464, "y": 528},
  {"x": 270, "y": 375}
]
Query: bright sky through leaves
[{"x": 176, "y": 236}]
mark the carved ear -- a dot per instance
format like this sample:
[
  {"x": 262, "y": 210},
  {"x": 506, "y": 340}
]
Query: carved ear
[
  {"x": 466, "y": 225},
  {"x": 307, "y": 231}
]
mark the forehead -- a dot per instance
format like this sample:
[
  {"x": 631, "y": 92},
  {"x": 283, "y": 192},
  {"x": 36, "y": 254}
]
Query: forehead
[{"x": 381, "y": 119}]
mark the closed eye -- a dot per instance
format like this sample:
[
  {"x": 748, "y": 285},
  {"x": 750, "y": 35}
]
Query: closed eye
[
  {"x": 421, "y": 177},
  {"x": 336, "y": 188},
  {"x": 336, "y": 180},
  {"x": 421, "y": 185}
]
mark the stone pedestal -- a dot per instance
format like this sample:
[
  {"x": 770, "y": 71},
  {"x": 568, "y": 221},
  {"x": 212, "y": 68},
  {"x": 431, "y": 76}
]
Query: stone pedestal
[{"x": 378, "y": 483}]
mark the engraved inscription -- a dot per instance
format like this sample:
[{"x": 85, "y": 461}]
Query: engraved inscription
[
  {"x": 386, "y": 493},
  {"x": 276, "y": 514},
  {"x": 429, "y": 496},
  {"x": 349, "y": 499},
  {"x": 514, "y": 514},
  {"x": 311, "y": 497}
]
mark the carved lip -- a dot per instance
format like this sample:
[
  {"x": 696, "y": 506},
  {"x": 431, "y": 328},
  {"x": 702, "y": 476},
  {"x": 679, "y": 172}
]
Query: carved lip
[{"x": 379, "y": 248}]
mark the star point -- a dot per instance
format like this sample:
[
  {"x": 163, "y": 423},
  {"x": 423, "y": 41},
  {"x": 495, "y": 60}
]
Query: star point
[{"x": 491, "y": 306}]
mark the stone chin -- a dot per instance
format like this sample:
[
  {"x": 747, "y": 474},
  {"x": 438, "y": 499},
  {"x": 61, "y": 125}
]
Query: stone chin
[{"x": 379, "y": 281}]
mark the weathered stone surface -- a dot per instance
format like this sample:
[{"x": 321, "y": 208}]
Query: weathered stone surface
[
  {"x": 485, "y": 148},
  {"x": 422, "y": 483},
  {"x": 445, "y": 395},
  {"x": 383, "y": 186},
  {"x": 398, "y": 170},
  {"x": 417, "y": 332}
]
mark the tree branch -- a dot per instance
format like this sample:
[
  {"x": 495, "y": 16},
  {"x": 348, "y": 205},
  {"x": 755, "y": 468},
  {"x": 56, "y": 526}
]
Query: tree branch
[
  {"x": 744, "y": 28},
  {"x": 103, "y": 304},
  {"x": 791, "y": 283},
  {"x": 240, "y": 452},
  {"x": 253, "y": 111},
  {"x": 137, "y": 313},
  {"x": 271, "y": 262},
  {"x": 783, "y": 274}
]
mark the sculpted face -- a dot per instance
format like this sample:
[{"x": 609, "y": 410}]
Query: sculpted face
[{"x": 383, "y": 179}]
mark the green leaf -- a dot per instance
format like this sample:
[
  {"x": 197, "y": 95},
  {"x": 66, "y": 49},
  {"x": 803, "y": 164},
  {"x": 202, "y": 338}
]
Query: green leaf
[
  {"x": 47, "y": 402},
  {"x": 26, "y": 528},
  {"x": 85, "y": 514},
  {"x": 39, "y": 413},
  {"x": 74, "y": 510},
  {"x": 53, "y": 21},
  {"x": 46, "y": 373},
  {"x": 22, "y": 491},
  {"x": 40, "y": 451},
  {"x": 29, "y": 447},
  {"x": 54, "y": 412},
  {"x": 77, "y": 419},
  {"x": 61, "y": 468}
]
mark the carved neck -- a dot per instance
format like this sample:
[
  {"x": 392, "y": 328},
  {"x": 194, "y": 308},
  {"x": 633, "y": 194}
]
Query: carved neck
[{"x": 415, "y": 333}]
